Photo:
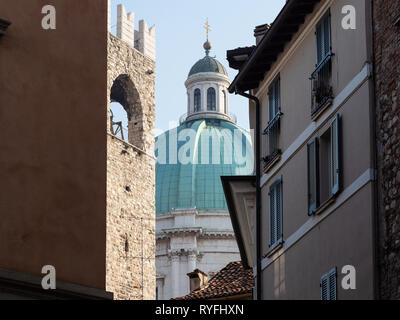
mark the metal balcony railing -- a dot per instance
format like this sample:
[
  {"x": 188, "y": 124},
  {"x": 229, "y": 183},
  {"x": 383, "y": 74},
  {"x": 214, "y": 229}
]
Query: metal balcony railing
[
  {"x": 321, "y": 84},
  {"x": 271, "y": 140}
]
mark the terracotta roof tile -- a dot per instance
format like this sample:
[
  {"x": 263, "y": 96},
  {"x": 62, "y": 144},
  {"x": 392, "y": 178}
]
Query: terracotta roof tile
[{"x": 233, "y": 280}]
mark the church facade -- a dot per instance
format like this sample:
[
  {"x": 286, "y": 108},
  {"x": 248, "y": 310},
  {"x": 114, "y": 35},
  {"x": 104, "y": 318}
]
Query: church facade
[{"x": 193, "y": 226}]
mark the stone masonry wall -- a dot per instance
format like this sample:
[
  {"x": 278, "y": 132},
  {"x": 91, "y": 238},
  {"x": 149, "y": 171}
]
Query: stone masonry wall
[
  {"x": 387, "y": 70},
  {"x": 131, "y": 270}
]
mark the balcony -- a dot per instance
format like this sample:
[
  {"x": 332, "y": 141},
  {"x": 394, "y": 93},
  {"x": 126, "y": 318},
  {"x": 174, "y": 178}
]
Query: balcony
[
  {"x": 271, "y": 142},
  {"x": 322, "y": 92}
]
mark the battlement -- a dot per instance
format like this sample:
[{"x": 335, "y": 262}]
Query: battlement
[{"x": 143, "y": 40}]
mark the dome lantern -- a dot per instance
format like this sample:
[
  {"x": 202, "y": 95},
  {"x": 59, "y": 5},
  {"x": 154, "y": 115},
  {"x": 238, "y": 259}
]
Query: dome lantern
[{"x": 207, "y": 87}]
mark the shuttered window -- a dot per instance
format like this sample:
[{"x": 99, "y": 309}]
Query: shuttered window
[
  {"x": 275, "y": 201},
  {"x": 328, "y": 285},
  {"x": 324, "y": 166},
  {"x": 335, "y": 155},
  {"x": 313, "y": 176},
  {"x": 323, "y": 38},
  {"x": 274, "y": 94}
]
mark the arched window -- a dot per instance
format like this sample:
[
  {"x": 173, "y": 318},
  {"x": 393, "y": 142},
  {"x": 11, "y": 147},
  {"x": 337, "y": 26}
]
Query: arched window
[
  {"x": 197, "y": 100},
  {"x": 225, "y": 102},
  {"x": 211, "y": 100}
]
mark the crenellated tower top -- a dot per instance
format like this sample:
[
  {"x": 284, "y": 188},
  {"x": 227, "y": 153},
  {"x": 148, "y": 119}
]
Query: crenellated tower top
[{"x": 143, "y": 40}]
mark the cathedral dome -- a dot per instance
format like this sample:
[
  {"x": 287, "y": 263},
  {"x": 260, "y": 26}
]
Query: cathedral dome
[
  {"x": 208, "y": 64},
  {"x": 198, "y": 184}
]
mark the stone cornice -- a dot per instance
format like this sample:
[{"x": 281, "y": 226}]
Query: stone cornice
[{"x": 183, "y": 231}]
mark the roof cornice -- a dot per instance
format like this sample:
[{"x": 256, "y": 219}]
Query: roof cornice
[{"x": 285, "y": 26}]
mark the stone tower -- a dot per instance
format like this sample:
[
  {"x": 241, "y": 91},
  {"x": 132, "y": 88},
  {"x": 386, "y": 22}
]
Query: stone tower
[{"x": 130, "y": 164}]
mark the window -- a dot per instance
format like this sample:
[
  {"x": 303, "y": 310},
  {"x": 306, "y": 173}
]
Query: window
[
  {"x": 275, "y": 211},
  {"x": 274, "y": 94},
  {"x": 225, "y": 102},
  {"x": 324, "y": 170},
  {"x": 323, "y": 35},
  {"x": 321, "y": 77},
  {"x": 328, "y": 285},
  {"x": 271, "y": 133},
  {"x": 197, "y": 100},
  {"x": 211, "y": 100}
]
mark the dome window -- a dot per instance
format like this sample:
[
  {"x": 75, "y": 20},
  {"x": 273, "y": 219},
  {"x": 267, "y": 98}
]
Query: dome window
[
  {"x": 197, "y": 100},
  {"x": 211, "y": 100}
]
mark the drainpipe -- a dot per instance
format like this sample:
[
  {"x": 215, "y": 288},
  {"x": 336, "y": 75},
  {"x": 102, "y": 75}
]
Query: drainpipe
[{"x": 258, "y": 190}]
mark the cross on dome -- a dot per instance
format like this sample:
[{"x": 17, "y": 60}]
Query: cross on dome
[{"x": 207, "y": 45}]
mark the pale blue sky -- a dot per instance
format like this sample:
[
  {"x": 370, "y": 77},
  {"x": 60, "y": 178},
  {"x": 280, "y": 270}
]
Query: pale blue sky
[{"x": 180, "y": 35}]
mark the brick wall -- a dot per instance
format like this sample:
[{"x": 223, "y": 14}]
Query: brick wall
[{"x": 387, "y": 69}]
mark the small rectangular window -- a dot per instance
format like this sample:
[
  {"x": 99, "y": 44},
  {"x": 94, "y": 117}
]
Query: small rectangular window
[
  {"x": 328, "y": 285},
  {"x": 275, "y": 201}
]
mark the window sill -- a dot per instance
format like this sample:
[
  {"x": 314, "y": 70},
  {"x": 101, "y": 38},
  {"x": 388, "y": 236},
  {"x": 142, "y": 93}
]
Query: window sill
[
  {"x": 272, "y": 161},
  {"x": 274, "y": 248},
  {"x": 325, "y": 205},
  {"x": 317, "y": 112}
]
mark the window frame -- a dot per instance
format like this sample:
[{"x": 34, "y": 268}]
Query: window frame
[
  {"x": 276, "y": 218},
  {"x": 336, "y": 152},
  {"x": 211, "y": 99},
  {"x": 313, "y": 207},
  {"x": 197, "y": 100},
  {"x": 335, "y": 168}
]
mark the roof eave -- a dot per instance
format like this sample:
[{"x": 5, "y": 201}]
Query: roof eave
[{"x": 240, "y": 84}]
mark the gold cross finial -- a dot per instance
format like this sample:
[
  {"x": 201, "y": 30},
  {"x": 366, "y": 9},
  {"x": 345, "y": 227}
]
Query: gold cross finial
[{"x": 207, "y": 27}]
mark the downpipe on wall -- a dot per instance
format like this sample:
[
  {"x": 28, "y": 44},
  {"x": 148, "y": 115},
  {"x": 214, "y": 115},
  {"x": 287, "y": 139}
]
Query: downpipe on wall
[{"x": 258, "y": 190}]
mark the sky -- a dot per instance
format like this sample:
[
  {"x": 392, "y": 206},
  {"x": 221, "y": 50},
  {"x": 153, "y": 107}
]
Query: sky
[{"x": 180, "y": 35}]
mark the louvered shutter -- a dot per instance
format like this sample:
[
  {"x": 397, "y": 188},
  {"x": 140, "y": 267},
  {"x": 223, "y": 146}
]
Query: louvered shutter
[
  {"x": 313, "y": 176},
  {"x": 332, "y": 285},
  {"x": 277, "y": 95},
  {"x": 335, "y": 167},
  {"x": 319, "y": 36},
  {"x": 271, "y": 104},
  {"x": 327, "y": 34},
  {"x": 328, "y": 285},
  {"x": 323, "y": 38},
  {"x": 272, "y": 212},
  {"x": 324, "y": 288},
  {"x": 278, "y": 210}
]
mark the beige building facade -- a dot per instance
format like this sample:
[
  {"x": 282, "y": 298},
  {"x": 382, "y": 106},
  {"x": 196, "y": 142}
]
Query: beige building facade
[{"x": 313, "y": 80}]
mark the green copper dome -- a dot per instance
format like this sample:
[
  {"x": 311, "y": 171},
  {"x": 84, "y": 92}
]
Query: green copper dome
[
  {"x": 208, "y": 64},
  {"x": 198, "y": 184}
]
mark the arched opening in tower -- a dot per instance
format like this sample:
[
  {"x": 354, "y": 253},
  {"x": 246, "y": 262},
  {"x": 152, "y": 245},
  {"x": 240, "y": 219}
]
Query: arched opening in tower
[{"x": 126, "y": 111}]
